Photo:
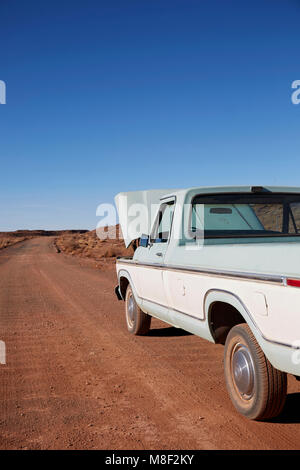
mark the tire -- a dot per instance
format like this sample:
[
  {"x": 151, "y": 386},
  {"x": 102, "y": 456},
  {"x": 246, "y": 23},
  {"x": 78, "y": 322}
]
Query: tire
[
  {"x": 256, "y": 388},
  {"x": 138, "y": 322}
]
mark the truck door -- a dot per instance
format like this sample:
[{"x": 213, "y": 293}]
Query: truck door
[{"x": 152, "y": 257}]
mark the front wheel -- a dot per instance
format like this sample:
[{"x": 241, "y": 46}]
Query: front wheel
[
  {"x": 138, "y": 322},
  {"x": 256, "y": 388}
]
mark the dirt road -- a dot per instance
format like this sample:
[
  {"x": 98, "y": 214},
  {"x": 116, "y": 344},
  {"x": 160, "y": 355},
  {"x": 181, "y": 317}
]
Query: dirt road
[{"x": 75, "y": 379}]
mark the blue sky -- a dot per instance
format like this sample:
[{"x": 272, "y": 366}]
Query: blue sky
[{"x": 110, "y": 96}]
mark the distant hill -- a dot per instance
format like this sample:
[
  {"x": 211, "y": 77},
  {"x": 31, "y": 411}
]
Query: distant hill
[
  {"x": 39, "y": 233},
  {"x": 11, "y": 238}
]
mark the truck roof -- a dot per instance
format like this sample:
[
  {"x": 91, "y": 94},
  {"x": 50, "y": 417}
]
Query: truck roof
[{"x": 232, "y": 189}]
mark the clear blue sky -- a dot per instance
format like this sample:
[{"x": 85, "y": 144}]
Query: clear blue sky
[{"x": 109, "y": 96}]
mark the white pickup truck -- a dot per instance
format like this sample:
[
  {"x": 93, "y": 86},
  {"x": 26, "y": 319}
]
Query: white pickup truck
[{"x": 222, "y": 263}]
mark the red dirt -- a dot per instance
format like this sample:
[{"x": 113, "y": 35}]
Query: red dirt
[{"x": 75, "y": 379}]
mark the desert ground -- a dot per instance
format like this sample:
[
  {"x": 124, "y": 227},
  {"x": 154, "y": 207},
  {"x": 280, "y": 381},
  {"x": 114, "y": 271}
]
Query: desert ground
[{"x": 74, "y": 377}]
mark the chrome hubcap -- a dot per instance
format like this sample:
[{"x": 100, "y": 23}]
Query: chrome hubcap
[
  {"x": 243, "y": 371},
  {"x": 131, "y": 311}
]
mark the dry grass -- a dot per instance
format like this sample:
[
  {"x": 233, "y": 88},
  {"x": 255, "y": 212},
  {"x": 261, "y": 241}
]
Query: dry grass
[
  {"x": 88, "y": 245},
  {"x": 6, "y": 241}
]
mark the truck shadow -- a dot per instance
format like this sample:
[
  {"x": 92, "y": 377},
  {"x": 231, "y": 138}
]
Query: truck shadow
[
  {"x": 169, "y": 331},
  {"x": 291, "y": 411}
]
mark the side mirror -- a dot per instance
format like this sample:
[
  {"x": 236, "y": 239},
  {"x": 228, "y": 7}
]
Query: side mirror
[{"x": 144, "y": 241}]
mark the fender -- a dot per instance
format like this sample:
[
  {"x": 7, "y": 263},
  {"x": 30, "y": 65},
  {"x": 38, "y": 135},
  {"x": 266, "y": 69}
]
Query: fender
[
  {"x": 125, "y": 274},
  {"x": 218, "y": 295}
]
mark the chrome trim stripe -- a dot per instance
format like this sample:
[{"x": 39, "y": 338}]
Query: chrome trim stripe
[{"x": 277, "y": 279}]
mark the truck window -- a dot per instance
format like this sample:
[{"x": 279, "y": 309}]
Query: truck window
[
  {"x": 246, "y": 215},
  {"x": 163, "y": 223}
]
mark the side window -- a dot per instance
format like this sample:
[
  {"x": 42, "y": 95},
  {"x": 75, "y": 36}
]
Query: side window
[{"x": 163, "y": 224}]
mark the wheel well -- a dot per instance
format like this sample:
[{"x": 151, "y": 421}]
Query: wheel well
[
  {"x": 123, "y": 286},
  {"x": 221, "y": 318}
]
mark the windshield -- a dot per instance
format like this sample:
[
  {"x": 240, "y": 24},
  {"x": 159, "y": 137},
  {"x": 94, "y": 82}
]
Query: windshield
[{"x": 246, "y": 215}]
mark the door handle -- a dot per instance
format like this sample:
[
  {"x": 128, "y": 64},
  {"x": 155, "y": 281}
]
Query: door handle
[{"x": 159, "y": 254}]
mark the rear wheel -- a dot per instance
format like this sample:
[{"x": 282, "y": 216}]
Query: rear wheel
[
  {"x": 256, "y": 388},
  {"x": 138, "y": 322}
]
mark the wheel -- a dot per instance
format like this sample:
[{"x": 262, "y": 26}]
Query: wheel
[
  {"x": 138, "y": 322},
  {"x": 256, "y": 388}
]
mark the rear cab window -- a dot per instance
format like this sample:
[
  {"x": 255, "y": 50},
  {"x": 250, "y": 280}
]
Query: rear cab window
[{"x": 246, "y": 216}]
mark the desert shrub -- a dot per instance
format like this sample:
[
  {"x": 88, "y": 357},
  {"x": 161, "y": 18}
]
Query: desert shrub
[{"x": 90, "y": 246}]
